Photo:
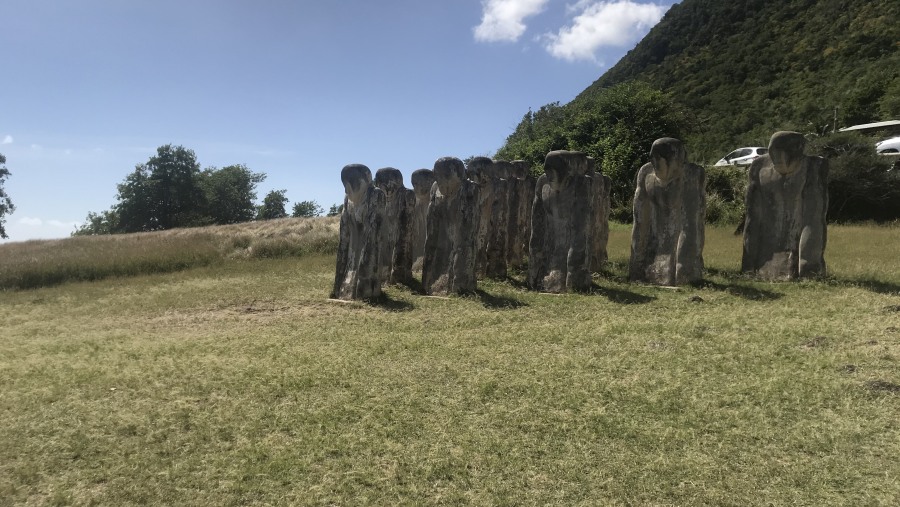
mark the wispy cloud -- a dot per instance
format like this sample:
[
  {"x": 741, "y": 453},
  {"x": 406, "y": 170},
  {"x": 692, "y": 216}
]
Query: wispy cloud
[
  {"x": 37, "y": 222},
  {"x": 59, "y": 224},
  {"x": 502, "y": 20},
  {"x": 7, "y": 140},
  {"x": 601, "y": 23},
  {"x": 33, "y": 222}
]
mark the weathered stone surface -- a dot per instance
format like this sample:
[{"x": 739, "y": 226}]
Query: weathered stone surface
[
  {"x": 519, "y": 221},
  {"x": 561, "y": 230},
  {"x": 600, "y": 237},
  {"x": 453, "y": 214},
  {"x": 478, "y": 172},
  {"x": 422, "y": 181},
  {"x": 669, "y": 215},
  {"x": 498, "y": 238},
  {"x": 787, "y": 199},
  {"x": 395, "y": 257},
  {"x": 356, "y": 273}
]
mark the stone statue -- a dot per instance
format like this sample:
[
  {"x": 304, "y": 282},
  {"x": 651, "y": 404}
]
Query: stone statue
[
  {"x": 787, "y": 200},
  {"x": 669, "y": 215},
  {"x": 520, "y": 198},
  {"x": 422, "y": 181},
  {"x": 602, "y": 186},
  {"x": 453, "y": 215},
  {"x": 395, "y": 257},
  {"x": 490, "y": 237},
  {"x": 356, "y": 274},
  {"x": 562, "y": 213},
  {"x": 526, "y": 199}
]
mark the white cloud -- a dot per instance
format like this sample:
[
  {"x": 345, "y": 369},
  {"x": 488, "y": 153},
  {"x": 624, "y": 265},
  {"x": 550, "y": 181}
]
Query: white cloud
[
  {"x": 7, "y": 140},
  {"x": 598, "y": 24},
  {"x": 501, "y": 20},
  {"x": 36, "y": 146},
  {"x": 59, "y": 224},
  {"x": 34, "y": 222}
]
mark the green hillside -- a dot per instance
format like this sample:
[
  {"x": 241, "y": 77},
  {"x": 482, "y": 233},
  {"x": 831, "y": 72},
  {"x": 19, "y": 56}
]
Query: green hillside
[{"x": 743, "y": 69}]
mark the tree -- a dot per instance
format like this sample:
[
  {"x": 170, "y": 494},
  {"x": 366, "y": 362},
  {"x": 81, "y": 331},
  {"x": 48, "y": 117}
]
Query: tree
[
  {"x": 6, "y": 205},
  {"x": 335, "y": 210},
  {"x": 273, "y": 205},
  {"x": 230, "y": 193},
  {"x": 105, "y": 222},
  {"x": 307, "y": 209},
  {"x": 163, "y": 193}
]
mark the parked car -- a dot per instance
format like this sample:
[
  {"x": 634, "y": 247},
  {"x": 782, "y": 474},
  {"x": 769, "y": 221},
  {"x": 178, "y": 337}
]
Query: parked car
[
  {"x": 743, "y": 156},
  {"x": 888, "y": 146}
]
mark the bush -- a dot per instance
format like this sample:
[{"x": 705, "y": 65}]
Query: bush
[
  {"x": 862, "y": 185},
  {"x": 725, "y": 189}
]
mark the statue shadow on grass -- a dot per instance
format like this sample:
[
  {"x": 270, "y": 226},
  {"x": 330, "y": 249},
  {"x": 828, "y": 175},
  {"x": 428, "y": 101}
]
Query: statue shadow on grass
[
  {"x": 621, "y": 296},
  {"x": 387, "y": 303},
  {"x": 871, "y": 285},
  {"x": 496, "y": 302},
  {"x": 733, "y": 287}
]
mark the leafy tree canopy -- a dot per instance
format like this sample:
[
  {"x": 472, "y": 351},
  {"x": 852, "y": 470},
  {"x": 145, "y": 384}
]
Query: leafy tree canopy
[
  {"x": 170, "y": 190},
  {"x": 615, "y": 126},
  {"x": 273, "y": 205},
  {"x": 6, "y": 205},
  {"x": 307, "y": 209}
]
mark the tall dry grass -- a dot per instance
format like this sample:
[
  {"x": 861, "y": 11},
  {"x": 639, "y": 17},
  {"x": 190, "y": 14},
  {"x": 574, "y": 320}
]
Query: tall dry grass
[{"x": 41, "y": 263}]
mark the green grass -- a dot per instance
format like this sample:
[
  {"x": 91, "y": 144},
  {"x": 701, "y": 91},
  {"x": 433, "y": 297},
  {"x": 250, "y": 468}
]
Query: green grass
[{"x": 237, "y": 383}]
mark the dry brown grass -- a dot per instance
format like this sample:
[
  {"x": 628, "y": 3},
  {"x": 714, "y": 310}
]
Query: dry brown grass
[{"x": 41, "y": 263}]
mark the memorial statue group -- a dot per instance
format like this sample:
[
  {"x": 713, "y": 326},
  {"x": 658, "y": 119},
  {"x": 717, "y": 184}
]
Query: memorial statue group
[{"x": 460, "y": 224}]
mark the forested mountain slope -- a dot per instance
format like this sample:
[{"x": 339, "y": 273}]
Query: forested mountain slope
[
  {"x": 743, "y": 69},
  {"x": 746, "y": 68}
]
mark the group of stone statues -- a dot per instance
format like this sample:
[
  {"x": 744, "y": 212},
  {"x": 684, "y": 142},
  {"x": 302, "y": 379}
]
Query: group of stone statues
[{"x": 459, "y": 224}]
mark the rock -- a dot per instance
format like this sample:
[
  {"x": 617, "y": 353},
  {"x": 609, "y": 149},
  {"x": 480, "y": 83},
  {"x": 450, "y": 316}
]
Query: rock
[
  {"x": 787, "y": 199},
  {"x": 562, "y": 214},
  {"x": 519, "y": 223},
  {"x": 491, "y": 235},
  {"x": 669, "y": 214},
  {"x": 602, "y": 187},
  {"x": 422, "y": 181},
  {"x": 453, "y": 216},
  {"x": 357, "y": 273},
  {"x": 395, "y": 257}
]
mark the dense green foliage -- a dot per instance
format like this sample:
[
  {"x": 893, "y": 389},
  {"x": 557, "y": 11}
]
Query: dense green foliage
[
  {"x": 6, "y": 205},
  {"x": 273, "y": 205},
  {"x": 721, "y": 75},
  {"x": 862, "y": 185},
  {"x": 230, "y": 193},
  {"x": 746, "y": 69},
  {"x": 307, "y": 209},
  {"x": 616, "y": 126},
  {"x": 171, "y": 191}
]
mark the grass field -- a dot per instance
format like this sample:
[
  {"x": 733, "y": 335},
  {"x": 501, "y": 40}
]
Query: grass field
[{"x": 235, "y": 382}]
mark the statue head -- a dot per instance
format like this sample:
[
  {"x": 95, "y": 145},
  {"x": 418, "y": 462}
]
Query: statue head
[
  {"x": 389, "y": 179},
  {"x": 520, "y": 169},
  {"x": 562, "y": 166},
  {"x": 480, "y": 170},
  {"x": 356, "y": 179},
  {"x": 422, "y": 180},
  {"x": 786, "y": 151},
  {"x": 668, "y": 156},
  {"x": 503, "y": 169},
  {"x": 448, "y": 174}
]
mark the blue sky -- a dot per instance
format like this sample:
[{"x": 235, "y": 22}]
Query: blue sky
[{"x": 294, "y": 89}]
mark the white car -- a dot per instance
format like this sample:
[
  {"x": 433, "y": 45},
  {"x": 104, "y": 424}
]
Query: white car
[
  {"x": 888, "y": 146},
  {"x": 743, "y": 156}
]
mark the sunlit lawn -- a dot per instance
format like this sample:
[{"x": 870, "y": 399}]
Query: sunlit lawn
[{"x": 238, "y": 383}]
